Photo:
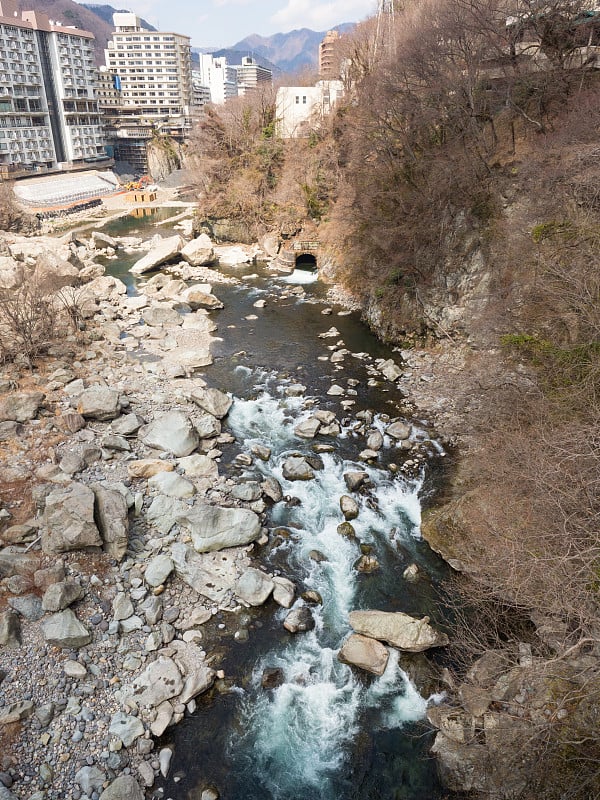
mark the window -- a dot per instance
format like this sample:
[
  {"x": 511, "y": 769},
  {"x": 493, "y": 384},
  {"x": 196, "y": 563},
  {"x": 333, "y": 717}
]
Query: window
[{"x": 304, "y": 99}]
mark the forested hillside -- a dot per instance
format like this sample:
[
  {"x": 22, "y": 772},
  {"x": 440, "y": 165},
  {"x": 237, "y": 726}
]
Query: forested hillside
[{"x": 457, "y": 191}]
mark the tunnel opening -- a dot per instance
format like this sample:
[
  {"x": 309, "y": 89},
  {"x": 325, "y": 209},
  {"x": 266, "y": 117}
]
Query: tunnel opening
[{"x": 306, "y": 261}]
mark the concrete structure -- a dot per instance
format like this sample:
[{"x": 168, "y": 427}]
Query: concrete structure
[
  {"x": 301, "y": 109},
  {"x": 219, "y": 77},
  {"x": 152, "y": 76},
  {"x": 200, "y": 92},
  {"x": 250, "y": 75},
  {"x": 49, "y": 113},
  {"x": 329, "y": 57}
]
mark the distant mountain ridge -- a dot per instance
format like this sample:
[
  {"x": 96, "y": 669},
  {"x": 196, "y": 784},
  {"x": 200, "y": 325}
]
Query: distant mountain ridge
[{"x": 291, "y": 52}]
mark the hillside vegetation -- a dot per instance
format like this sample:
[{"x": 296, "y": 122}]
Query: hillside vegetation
[{"x": 457, "y": 189}]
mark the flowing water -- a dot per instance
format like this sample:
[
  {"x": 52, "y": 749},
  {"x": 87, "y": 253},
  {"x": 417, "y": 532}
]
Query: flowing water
[{"x": 327, "y": 732}]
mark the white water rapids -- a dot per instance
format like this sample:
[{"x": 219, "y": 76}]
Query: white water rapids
[{"x": 297, "y": 736}]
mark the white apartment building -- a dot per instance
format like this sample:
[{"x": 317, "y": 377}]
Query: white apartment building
[
  {"x": 200, "y": 92},
  {"x": 251, "y": 75},
  {"x": 153, "y": 76},
  {"x": 48, "y": 112},
  {"x": 300, "y": 109},
  {"x": 220, "y": 78}
]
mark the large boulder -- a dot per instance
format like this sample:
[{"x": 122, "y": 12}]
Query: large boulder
[
  {"x": 112, "y": 519},
  {"x": 398, "y": 629},
  {"x": 98, "y": 402},
  {"x": 297, "y": 468},
  {"x": 254, "y": 587},
  {"x": 212, "y": 401},
  {"x": 172, "y": 432},
  {"x": 160, "y": 681},
  {"x": 52, "y": 272},
  {"x": 201, "y": 296},
  {"x": 299, "y": 620},
  {"x": 101, "y": 240},
  {"x": 197, "y": 675},
  {"x": 65, "y": 630},
  {"x": 368, "y": 654},
  {"x": 215, "y": 527},
  {"x": 125, "y": 787},
  {"x": 166, "y": 250},
  {"x": 10, "y": 629},
  {"x": 20, "y": 406},
  {"x": 11, "y": 273},
  {"x": 199, "y": 251},
  {"x": 192, "y": 568},
  {"x": 69, "y": 519},
  {"x": 161, "y": 314}
]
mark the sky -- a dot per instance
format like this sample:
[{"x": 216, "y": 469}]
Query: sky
[{"x": 221, "y": 23}]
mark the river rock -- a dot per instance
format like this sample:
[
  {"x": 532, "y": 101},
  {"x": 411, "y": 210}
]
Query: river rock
[
  {"x": 65, "y": 630},
  {"x": 10, "y": 629},
  {"x": 207, "y": 426},
  {"x": 122, "y": 606},
  {"x": 61, "y": 595},
  {"x": 113, "y": 520},
  {"x": 198, "y": 676},
  {"x": 127, "y": 425},
  {"x": 213, "y": 401},
  {"x": 390, "y": 370},
  {"x": 28, "y": 606},
  {"x": 15, "y": 712},
  {"x": 368, "y": 654},
  {"x": 254, "y": 587},
  {"x": 348, "y": 507},
  {"x": 199, "y": 252},
  {"x": 196, "y": 298},
  {"x": 98, "y": 402},
  {"x": 160, "y": 681},
  {"x": 147, "y": 467},
  {"x": 271, "y": 488},
  {"x": 162, "y": 252},
  {"x": 89, "y": 779},
  {"x": 375, "y": 441},
  {"x": 125, "y": 727},
  {"x": 163, "y": 512},
  {"x": 158, "y": 570},
  {"x": 20, "y": 406},
  {"x": 284, "y": 591},
  {"x": 52, "y": 272},
  {"x": 272, "y": 677},
  {"x": 172, "y": 432},
  {"x": 172, "y": 485},
  {"x": 99, "y": 241},
  {"x": 398, "y": 430},
  {"x": 69, "y": 518},
  {"x": 199, "y": 466},
  {"x": 191, "y": 567},
  {"x": 260, "y": 451},
  {"x": 125, "y": 787},
  {"x": 308, "y": 428},
  {"x": 73, "y": 669},
  {"x": 354, "y": 480},
  {"x": 161, "y": 314},
  {"x": 164, "y": 715},
  {"x": 214, "y": 527},
  {"x": 297, "y": 468},
  {"x": 247, "y": 492},
  {"x": 299, "y": 620},
  {"x": 398, "y": 629}
]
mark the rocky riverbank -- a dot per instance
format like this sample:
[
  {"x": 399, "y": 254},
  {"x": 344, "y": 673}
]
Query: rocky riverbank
[{"x": 128, "y": 554}]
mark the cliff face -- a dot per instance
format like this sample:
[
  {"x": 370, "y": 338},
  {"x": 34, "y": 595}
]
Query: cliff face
[{"x": 164, "y": 157}]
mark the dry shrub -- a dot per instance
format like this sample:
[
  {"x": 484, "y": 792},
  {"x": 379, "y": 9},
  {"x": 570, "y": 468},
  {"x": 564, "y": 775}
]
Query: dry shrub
[{"x": 32, "y": 318}]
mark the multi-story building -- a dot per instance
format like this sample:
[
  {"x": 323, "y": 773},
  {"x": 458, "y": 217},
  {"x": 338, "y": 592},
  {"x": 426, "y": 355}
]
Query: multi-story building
[
  {"x": 301, "y": 109},
  {"x": 48, "y": 111},
  {"x": 152, "y": 75},
  {"x": 220, "y": 78},
  {"x": 200, "y": 92},
  {"x": 329, "y": 57},
  {"x": 251, "y": 75}
]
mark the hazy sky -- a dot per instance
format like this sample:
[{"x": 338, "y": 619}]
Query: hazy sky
[{"x": 221, "y": 23}]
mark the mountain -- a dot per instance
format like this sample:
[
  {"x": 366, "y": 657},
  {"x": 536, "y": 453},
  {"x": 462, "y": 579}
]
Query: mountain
[
  {"x": 71, "y": 13},
  {"x": 290, "y": 52}
]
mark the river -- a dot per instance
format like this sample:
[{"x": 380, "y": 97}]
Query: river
[{"x": 327, "y": 732}]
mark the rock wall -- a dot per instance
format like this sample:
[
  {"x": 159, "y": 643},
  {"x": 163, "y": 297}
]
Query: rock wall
[{"x": 164, "y": 156}]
